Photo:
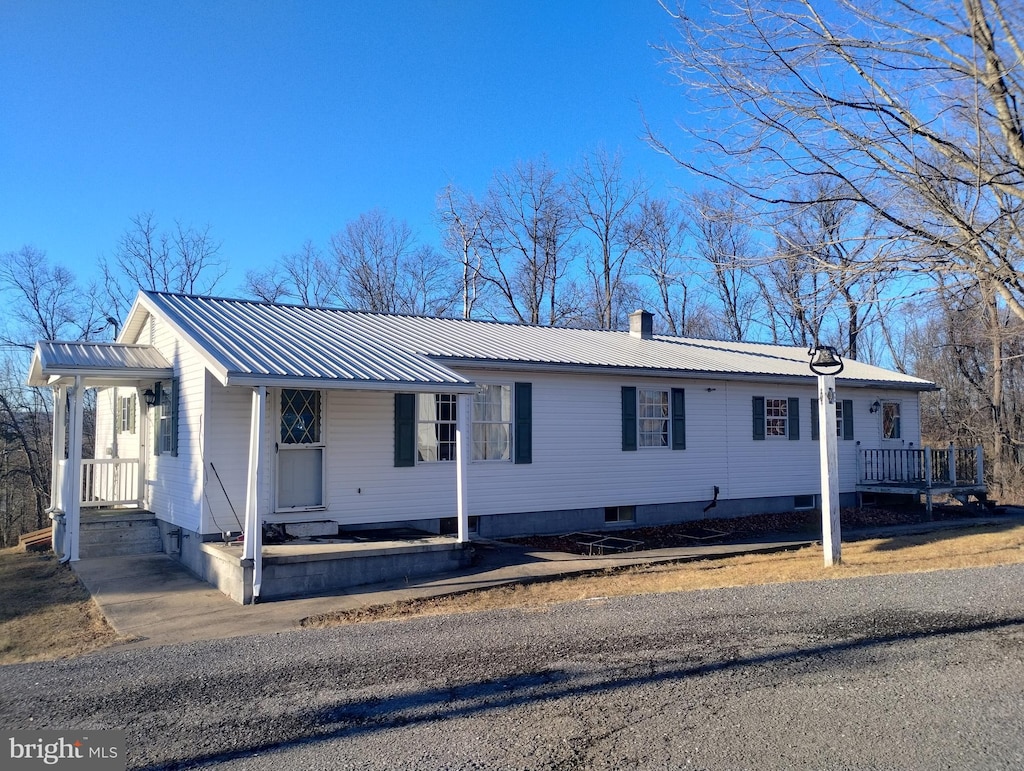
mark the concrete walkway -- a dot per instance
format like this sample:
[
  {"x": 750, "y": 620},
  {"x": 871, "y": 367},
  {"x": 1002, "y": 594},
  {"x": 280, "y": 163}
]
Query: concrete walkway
[{"x": 152, "y": 600}]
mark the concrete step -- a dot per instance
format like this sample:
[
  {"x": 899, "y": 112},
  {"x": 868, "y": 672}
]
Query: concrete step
[{"x": 113, "y": 535}]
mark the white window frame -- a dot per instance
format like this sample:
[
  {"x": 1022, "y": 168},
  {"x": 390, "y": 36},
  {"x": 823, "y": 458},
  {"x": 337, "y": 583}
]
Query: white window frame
[
  {"x": 886, "y": 403},
  {"x": 127, "y": 413},
  {"x": 648, "y": 434},
  {"x": 488, "y": 449},
  {"x": 776, "y": 426},
  {"x": 283, "y": 446},
  {"x": 839, "y": 418},
  {"x": 442, "y": 448}
]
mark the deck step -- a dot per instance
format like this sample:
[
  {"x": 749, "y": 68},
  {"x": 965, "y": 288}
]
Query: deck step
[
  {"x": 117, "y": 535},
  {"x": 37, "y": 540}
]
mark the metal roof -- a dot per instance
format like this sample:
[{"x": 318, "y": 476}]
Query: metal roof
[
  {"x": 99, "y": 363},
  {"x": 254, "y": 342}
]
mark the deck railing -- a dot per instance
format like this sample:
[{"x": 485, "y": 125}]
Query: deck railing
[
  {"x": 928, "y": 467},
  {"x": 110, "y": 482}
]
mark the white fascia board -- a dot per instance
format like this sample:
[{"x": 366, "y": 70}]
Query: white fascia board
[
  {"x": 400, "y": 386},
  {"x": 590, "y": 369}
]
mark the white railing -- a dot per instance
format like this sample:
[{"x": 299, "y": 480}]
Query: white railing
[{"x": 110, "y": 482}]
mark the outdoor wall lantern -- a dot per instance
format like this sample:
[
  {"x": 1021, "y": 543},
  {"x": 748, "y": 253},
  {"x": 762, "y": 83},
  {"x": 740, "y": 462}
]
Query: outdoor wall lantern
[
  {"x": 150, "y": 396},
  {"x": 875, "y": 406}
]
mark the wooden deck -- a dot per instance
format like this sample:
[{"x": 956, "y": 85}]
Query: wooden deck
[{"x": 928, "y": 472}]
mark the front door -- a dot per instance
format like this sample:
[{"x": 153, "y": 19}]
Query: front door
[{"x": 300, "y": 451}]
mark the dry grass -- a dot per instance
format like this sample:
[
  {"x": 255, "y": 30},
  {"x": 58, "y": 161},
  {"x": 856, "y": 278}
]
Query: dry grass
[
  {"x": 45, "y": 613},
  {"x": 949, "y": 549}
]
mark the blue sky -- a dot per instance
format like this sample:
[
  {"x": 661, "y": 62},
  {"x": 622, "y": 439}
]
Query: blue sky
[{"x": 279, "y": 122}]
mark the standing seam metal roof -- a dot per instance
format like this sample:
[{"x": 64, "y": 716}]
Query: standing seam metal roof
[{"x": 263, "y": 339}]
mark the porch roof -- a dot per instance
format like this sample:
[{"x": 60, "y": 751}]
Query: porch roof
[{"x": 99, "y": 364}]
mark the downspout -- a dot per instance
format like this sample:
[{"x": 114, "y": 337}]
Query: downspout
[{"x": 253, "y": 541}]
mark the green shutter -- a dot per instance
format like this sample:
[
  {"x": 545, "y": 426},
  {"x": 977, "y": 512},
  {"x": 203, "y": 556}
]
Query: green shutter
[
  {"x": 758, "y": 412},
  {"x": 814, "y": 419},
  {"x": 847, "y": 418},
  {"x": 628, "y": 418},
  {"x": 678, "y": 419},
  {"x": 523, "y": 442},
  {"x": 794, "y": 418},
  {"x": 405, "y": 429}
]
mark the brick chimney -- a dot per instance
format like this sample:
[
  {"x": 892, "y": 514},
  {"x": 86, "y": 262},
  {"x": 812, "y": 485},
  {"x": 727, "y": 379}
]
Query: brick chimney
[{"x": 641, "y": 324}]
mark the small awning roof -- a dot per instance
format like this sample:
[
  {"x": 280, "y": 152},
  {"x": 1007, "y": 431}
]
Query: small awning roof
[{"x": 100, "y": 364}]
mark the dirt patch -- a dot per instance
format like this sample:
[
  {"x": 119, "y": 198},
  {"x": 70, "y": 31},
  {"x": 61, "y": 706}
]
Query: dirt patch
[
  {"x": 45, "y": 612},
  {"x": 797, "y": 524}
]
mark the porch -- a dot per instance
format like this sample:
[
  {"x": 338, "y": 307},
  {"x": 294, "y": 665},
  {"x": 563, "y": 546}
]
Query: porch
[{"x": 954, "y": 471}]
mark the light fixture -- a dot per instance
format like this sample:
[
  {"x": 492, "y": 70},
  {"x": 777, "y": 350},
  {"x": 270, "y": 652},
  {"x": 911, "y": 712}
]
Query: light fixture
[
  {"x": 825, "y": 360},
  {"x": 150, "y": 396},
  {"x": 875, "y": 407}
]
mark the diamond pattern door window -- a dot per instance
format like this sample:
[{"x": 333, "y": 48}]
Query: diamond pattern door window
[{"x": 300, "y": 416}]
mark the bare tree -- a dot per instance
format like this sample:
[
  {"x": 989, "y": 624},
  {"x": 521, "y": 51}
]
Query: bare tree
[
  {"x": 527, "y": 236},
  {"x": 305, "y": 276},
  {"x": 606, "y": 206},
  {"x": 911, "y": 109},
  {"x": 427, "y": 286},
  {"x": 182, "y": 259},
  {"x": 725, "y": 245},
  {"x": 370, "y": 252},
  {"x": 462, "y": 221},
  {"x": 43, "y": 301},
  {"x": 660, "y": 236}
]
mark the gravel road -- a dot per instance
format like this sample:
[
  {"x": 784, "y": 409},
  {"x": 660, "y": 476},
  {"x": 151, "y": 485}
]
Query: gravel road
[{"x": 919, "y": 671}]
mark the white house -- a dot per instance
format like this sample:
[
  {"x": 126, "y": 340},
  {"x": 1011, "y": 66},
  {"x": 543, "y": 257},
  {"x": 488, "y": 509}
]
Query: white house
[{"x": 222, "y": 415}]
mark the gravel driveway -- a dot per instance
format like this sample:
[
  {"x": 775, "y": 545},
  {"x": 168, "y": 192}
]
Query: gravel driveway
[{"x": 919, "y": 671}]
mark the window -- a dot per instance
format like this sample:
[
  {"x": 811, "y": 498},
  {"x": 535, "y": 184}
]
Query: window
[
  {"x": 166, "y": 418},
  {"x": 891, "y": 428},
  {"x": 803, "y": 502},
  {"x": 492, "y": 422},
  {"x": 127, "y": 412},
  {"x": 502, "y": 425},
  {"x": 776, "y": 417},
  {"x": 646, "y": 415},
  {"x": 620, "y": 513},
  {"x": 435, "y": 427},
  {"x": 653, "y": 416},
  {"x": 300, "y": 416},
  {"x": 844, "y": 418}
]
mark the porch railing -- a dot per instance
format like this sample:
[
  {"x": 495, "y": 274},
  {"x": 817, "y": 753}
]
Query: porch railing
[
  {"x": 925, "y": 467},
  {"x": 110, "y": 482}
]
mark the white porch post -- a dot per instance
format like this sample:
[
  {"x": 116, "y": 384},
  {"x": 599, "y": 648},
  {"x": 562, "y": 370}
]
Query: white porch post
[
  {"x": 253, "y": 538},
  {"x": 463, "y": 449},
  {"x": 830, "y": 534},
  {"x": 71, "y": 494},
  {"x": 57, "y": 466}
]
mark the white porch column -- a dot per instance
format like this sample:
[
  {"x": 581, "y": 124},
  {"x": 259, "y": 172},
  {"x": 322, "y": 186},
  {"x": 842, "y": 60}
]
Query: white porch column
[
  {"x": 463, "y": 449},
  {"x": 253, "y": 539},
  {"x": 830, "y": 535},
  {"x": 57, "y": 465},
  {"x": 71, "y": 495}
]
